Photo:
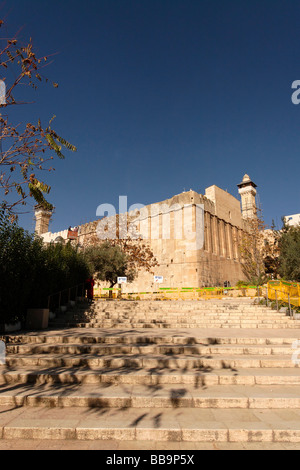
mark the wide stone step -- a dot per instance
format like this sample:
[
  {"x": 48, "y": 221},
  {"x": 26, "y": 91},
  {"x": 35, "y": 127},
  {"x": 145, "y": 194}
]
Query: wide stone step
[
  {"x": 180, "y": 323},
  {"x": 163, "y": 349},
  {"x": 175, "y": 325},
  {"x": 173, "y": 306},
  {"x": 184, "y": 362},
  {"x": 127, "y": 376},
  {"x": 212, "y": 314},
  {"x": 121, "y": 336},
  {"x": 171, "y": 313},
  {"x": 178, "y": 309},
  {"x": 185, "y": 320},
  {"x": 263, "y": 312},
  {"x": 217, "y": 312},
  {"x": 155, "y": 322},
  {"x": 180, "y": 315},
  {"x": 144, "y": 424},
  {"x": 152, "y": 396}
]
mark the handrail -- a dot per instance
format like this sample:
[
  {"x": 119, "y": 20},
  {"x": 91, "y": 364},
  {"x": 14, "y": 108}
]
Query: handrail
[
  {"x": 68, "y": 289},
  {"x": 288, "y": 292}
]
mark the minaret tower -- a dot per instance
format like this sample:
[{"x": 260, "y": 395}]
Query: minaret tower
[
  {"x": 247, "y": 191},
  {"x": 42, "y": 218}
]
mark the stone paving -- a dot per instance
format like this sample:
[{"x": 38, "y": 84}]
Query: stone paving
[{"x": 123, "y": 387}]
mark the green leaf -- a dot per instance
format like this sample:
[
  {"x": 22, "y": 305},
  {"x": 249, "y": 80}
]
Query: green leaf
[{"x": 54, "y": 146}]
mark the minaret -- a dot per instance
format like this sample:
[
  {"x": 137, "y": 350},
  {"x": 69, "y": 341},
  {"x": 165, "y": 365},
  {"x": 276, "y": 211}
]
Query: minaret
[
  {"x": 247, "y": 190},
  {"x": 42, "y": 218}
]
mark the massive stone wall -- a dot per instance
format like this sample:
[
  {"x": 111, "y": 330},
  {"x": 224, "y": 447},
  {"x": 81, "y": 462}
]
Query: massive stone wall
[{"x": 195, "y": 239}]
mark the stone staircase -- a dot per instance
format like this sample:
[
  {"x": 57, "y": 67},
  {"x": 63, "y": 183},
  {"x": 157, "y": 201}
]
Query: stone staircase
[
  {"x": 193, "y": 371},
  {"x": 233, "y": 313}
]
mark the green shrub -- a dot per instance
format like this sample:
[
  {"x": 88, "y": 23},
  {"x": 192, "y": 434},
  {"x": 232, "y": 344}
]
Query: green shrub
[
  {"x": 241, "y": 284},
  {"x": 30, "y": 271}
]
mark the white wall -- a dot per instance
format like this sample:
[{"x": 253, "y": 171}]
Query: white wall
[
  {"x": 292, "y": 219},
  {"x": 51, "y": 237}
]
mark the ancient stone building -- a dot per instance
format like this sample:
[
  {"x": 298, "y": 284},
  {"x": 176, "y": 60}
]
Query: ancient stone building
[{"x": 194, "y": 237}]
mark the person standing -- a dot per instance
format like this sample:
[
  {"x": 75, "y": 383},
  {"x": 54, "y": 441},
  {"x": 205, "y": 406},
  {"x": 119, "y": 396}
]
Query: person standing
[{"x": 90, "y": 289}]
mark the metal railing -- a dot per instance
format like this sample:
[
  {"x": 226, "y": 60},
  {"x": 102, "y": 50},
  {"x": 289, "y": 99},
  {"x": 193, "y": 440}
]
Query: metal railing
[
  {"x": 65, "y": 296},
  {"x": 283, "y": 293}
]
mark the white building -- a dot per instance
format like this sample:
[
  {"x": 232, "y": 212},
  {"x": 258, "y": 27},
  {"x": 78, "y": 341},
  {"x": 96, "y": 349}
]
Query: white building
[{"x": 292, "y": 220}]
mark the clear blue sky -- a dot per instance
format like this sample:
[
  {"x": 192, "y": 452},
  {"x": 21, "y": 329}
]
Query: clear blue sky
[{"x": 161, "y": 96}]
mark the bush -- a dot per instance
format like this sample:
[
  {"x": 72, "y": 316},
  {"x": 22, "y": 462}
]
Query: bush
[
  {"x": 289, "y": 259},
  {"x": 30, "y": 271},
  {"x": 60, "y": 267},
  {"x": 19, "y": 253},
  {"x": 241, "y": 284}
]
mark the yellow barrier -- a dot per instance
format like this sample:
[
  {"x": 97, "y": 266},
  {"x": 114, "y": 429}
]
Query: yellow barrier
[
  {"x": 103, "y": 293},
  {"x": 173, "y": 293},
  {"x": 281, "y": 291},
  {"x": 288, "y": 292}
]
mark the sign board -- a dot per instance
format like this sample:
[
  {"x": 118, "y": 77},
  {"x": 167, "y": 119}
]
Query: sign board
[
  {"x": 158, "y": 279},
  {"x": 72, "y": 235},
  {"x": 122, "y": 280}
]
